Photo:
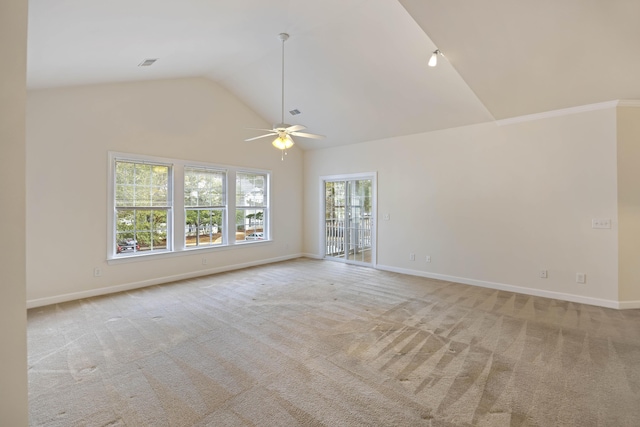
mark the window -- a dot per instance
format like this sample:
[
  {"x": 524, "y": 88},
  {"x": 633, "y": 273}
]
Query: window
[
  {"x": 205, "y": 205},
  {"x": 251, "y": 206},
  {"x": 142, "y": 207},
  {"x": 147, "y": 219}
]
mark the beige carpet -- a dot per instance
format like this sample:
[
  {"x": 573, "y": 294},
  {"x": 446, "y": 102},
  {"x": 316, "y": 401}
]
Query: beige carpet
[{"x": 319, "y": 343}]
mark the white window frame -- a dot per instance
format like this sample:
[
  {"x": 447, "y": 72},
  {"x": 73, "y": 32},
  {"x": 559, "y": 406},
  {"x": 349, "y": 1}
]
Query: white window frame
[
  {"x": 223, "y": 207},
  {"x": 176, "y": 243},
  {"x": 112, "y": 216},
  {"x": 264, "y": 207}
]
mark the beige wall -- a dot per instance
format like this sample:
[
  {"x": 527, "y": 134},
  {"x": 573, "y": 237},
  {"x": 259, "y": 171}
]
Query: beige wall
[
  {"x": 492, "y": 205},
  {"x": 69, "y": 133},
  {"x": 13, "y": 351},
  {"x": 629, "y": 203}
]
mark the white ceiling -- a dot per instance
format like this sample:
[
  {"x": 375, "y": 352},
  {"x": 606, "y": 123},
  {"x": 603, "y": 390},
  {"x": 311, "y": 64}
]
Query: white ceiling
[{"x": 357, "y": 69}]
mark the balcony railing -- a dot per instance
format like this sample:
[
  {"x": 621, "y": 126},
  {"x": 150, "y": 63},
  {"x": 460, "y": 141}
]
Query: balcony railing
[{"x": 357, "y": 233}]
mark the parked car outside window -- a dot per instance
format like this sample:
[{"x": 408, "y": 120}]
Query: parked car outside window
[{"x": 127, "y": 245}]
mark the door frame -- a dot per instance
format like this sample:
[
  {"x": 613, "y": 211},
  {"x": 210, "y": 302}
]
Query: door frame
[{"x": 373, "y": 176}]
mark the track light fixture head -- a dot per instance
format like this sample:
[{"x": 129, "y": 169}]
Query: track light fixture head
[{"x": 433, "y": 61}]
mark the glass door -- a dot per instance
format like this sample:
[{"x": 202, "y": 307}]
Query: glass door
[{"x": 349, "y": 222}]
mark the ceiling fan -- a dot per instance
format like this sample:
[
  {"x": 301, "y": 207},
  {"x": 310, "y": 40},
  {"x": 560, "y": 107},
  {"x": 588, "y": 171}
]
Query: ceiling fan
[{"x": 282, "y": 130}]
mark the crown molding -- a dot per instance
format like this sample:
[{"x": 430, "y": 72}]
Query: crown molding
[
  {"x": 569, "y": 111},
  {"x": 629, "y": 103}
]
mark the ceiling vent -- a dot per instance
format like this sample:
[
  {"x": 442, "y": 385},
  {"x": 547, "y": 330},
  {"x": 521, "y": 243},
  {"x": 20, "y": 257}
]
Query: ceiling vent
[
  {"x": 294, "y": 112},
  {"x": 147, "y": 62}
]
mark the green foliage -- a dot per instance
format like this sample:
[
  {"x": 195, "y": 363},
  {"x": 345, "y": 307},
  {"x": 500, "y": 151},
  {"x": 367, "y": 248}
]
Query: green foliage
[
  {"x": 141, "y": 184},
  {"x": 342, "y": 194},
  {"x": 147, "y": 227},
  {"x": 255, "y": 218},
  {"x": 197, "y": 217},
  {"x": 203, "y": 188}
]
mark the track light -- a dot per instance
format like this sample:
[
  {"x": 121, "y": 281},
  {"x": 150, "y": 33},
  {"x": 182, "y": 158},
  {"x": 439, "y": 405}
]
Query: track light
[{"x": 433, "y": 61}]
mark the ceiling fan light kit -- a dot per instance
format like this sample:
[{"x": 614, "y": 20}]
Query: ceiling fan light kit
[
  {"x": 282, "y": 130},
  {"x": 283, "y": 142}
]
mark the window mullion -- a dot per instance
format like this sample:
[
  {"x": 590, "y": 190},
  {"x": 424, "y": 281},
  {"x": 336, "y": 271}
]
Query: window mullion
[{"x": 179, "y": 218}]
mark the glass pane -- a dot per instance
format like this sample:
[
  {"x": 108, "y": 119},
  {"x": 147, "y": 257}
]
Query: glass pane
[
  {"x": 159, "y": 196},
  {"x": 124, "y": 183},
  {"x": 203, "y": 227},
  {"x": 125, "y": 222},
  {"x": 160, "y": 176},
  {"x": 125, "y": 231},
  {"x": 335, "y": 201},
  {"x": 250, "y": 189},
  {"x": 203, "y": 188},
  {"x": 142, "y": 175},
  {"x": 124, "y": 195},
  {"x": 217, "y": 190},
  {"x": 142, "y": 195},
  {"x": 124, "y": 173},
  {"x": 141, "y": 230},
  {"x": 159, "y": 229},
  {"x": 348, "y": 220},
  {"x": 141, "y": 184},
  {"x": 143, "y": 220},
  {"x": 250, "y": 225},
  {"x": 144, "y": 240}
]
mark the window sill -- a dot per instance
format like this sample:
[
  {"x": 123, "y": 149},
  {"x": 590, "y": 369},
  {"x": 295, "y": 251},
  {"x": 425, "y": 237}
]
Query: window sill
[{"x": 183, "y": 252}]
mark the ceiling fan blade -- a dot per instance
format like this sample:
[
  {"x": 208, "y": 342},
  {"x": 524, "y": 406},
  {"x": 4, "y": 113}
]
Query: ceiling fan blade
[
  {"x": 261, "y": 136},
  {"x": 295, "y": 128},
  {"x": 307, "y": 135},
  {"x": 264, "y": 130}
]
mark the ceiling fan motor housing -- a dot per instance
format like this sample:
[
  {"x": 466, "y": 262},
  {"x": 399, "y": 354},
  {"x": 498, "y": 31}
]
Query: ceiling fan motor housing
[{"x": 281, "y": 127}]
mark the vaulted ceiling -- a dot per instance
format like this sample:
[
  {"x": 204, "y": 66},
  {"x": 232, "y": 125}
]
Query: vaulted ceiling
[{"x": 356, "y": 69}]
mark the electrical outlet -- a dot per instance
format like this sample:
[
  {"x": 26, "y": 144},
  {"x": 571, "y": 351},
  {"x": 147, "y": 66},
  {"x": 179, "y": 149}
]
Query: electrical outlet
[
  {"x": 97, "y": 272},
  {"x": 581, "y": 278},
  {"x": 412, "y": 257},
  {"x": 543, "y": 274},
  {"x": 386, "y": 217},
  {"x": 427, "y": 258}
]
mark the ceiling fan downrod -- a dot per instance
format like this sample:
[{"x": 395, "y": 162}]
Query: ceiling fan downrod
[
  {"x": 284, "y": 37},
  {"x": 283, "y": 131}
]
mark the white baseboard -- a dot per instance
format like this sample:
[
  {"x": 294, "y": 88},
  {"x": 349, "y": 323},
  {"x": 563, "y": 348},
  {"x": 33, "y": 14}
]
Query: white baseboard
[
  {"x": 39, "y": 302},
  {"x": 312, "y": 256},
  {"x": 628, "y": 305},
  {"x": 518, "y": 289}
]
